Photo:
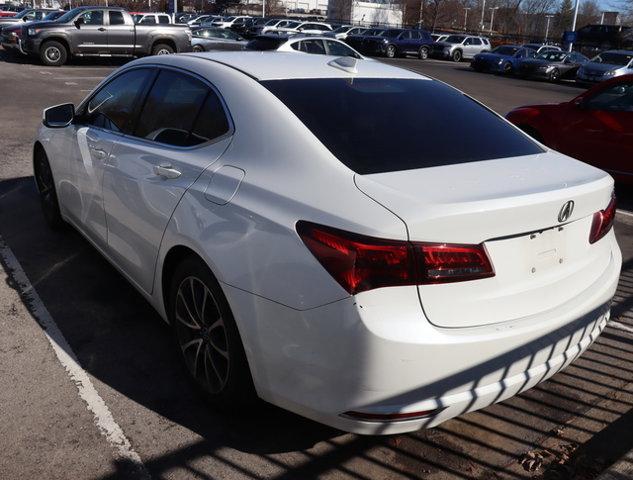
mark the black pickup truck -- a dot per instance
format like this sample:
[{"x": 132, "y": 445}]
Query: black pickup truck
[{"x": 96, "y": 31}]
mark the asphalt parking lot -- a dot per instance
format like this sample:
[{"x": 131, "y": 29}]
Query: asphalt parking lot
[{"x": 155, "y": 424}]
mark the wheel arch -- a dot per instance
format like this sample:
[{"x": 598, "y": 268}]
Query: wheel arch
[
  {"x": 175, "y": 255},
  {"x": 165, "y": 41},
  {"x": 58, "y": 39}
]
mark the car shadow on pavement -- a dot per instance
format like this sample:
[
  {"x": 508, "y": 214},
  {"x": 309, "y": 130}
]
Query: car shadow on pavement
[
  {"x": 18, "y": 58},
  {"x": 122, "y": 342}
]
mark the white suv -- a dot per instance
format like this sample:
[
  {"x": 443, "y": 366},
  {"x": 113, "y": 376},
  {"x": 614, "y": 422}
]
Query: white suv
[{"x": 458, "y": 47}]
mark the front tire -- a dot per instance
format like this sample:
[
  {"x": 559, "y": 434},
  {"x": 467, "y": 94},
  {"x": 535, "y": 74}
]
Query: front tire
[
  {"x": 46, "y": 188},
  {"x": 457, "y": 56},
  {"x": 423, "y": 53},
  {"x": 207, "y": 336},
  {"x": 162, "y": 49},
  {"x": 197, "y": 49},
  {"x": 554, "y": 75},
  {"x": 507, "y": 68},
  {"x": 53, "y": 54},
  {"x": 391, "y": 51}
]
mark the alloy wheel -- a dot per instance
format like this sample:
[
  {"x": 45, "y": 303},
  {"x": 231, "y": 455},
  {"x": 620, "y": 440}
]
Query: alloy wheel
[
  {"x": 52, "y": 54},
  {"x": 202, "y": 334}
]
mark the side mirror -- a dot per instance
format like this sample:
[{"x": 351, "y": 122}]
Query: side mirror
[
  {"x": 24, "y": 19},
  {"x": 79, "y": 22},
  {"x": 59, "y": 116}
]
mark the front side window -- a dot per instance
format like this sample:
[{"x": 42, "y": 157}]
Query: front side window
[
  {"x": 618, "y": 98},
  {"x": 113, "y": 106},
  {"x": 163, "y": 19},
  {"x": 360, "y": 113},
  {"x": 93, "y": 17},
  {"x": 177, "y": 112},
  {"x": 148, "y": 20}
]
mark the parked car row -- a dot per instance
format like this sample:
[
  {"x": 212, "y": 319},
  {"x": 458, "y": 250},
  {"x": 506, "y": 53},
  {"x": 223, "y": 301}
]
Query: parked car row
[
  {"x": 94, "y": 31},
  {"x": 553, "y": 64}
]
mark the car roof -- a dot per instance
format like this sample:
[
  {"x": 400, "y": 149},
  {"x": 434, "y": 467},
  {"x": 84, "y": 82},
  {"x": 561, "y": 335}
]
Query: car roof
[
  {"x": 622, "y": 52},
  {"x": 281, "y": 65}
]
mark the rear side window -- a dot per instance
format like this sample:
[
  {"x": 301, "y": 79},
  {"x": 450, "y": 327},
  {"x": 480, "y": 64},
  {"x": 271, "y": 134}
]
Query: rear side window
[
  {"x": 116, "y": 18},
  {"x": 164, "y": 19},
  {"x": 148, "y": 20},
  {"x": 384, "y": 125},
  {"x": 113, "y": 106},
  {"x": 181, "y": 111}
]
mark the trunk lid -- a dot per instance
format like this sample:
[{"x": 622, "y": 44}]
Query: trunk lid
[{"x": 511, "y": 206}]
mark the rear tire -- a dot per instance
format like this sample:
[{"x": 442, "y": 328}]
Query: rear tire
[
  {"x": 507, "y": 68},
  {"x": 162, "y": 49},
  {"x": 391, "y": 51},
  {"x": 423, "y": 53},
  {"x": 457, "y": 56},
  {"x": 197, "y": 49},
  {"x": 53, "y": 54},
  {"x": 46, "y": 188},
  {"x": 207, "y": 337}
]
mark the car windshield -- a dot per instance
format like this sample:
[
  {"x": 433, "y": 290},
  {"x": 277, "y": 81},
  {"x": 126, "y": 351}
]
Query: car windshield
[
  {"x": 454, "y": 39},
  {"x": 229, "y": 19},
  {"x": 361, "y": 112},
  {"x": 611, "y": 58},
  {"x": 22, "y": 14},
  {"x": 505, "y": 50},
  {"x": 69, "y": 15},
  {"x": 272, "y": 22},
  {"x": 292, "y": 24},
  {"x": 53, "y": 16},
  {"x": 341, "y": 30},
  {"x": 265, "y": 43},
  {"x": 552, "y": 56}
]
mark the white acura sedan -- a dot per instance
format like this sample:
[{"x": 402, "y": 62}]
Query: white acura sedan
[{"x": 317, "y": 237}]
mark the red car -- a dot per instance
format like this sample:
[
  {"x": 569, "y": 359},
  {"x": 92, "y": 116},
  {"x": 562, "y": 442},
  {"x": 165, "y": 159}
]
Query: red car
[{"x": 595, "y": 127}]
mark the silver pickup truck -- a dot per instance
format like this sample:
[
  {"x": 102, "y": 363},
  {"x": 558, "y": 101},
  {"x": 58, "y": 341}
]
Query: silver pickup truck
[{"x": 97, "y": 31}]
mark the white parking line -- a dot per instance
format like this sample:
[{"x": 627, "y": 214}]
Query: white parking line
[
  {"x": 625, "y": 213},
  {"x": 79, "y": 78},
  {"x": 620, "y": 326},
  {"x": 103, "y": 418},
  {"x": 71, "y": 83}
]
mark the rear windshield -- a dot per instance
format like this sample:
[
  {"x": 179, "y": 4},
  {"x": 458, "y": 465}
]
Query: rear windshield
[{"x": 376, "y": 125}]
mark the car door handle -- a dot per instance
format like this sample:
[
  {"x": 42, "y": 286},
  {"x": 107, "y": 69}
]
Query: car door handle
[
  {"x": 100, "y": 154},
  {"x": 166, "y": 171},
  {"x": 101, "y": 29}
]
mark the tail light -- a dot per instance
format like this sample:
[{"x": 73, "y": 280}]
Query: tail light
[
  {"x": 602, "y": 221},
  {"x": 359, "y": 263}
]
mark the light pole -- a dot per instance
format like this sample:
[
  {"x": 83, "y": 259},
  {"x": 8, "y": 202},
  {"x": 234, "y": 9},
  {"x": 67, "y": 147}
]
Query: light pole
[
  {"x": 263, "y": 8},
  {"x": 549, "y": 17},
  {"x": 466, "y": 18},
  {"x": 483, "y": 12},
  {"x": 492, "y": 17},
  {"x": 573, "y": 25}
]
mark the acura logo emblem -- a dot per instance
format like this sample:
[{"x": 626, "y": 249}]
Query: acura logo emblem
[{"x": 566, "y": 211}]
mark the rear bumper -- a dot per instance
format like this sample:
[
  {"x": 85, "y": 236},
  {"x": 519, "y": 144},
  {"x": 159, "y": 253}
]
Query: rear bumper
[{"x": 360, "y": 354}]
